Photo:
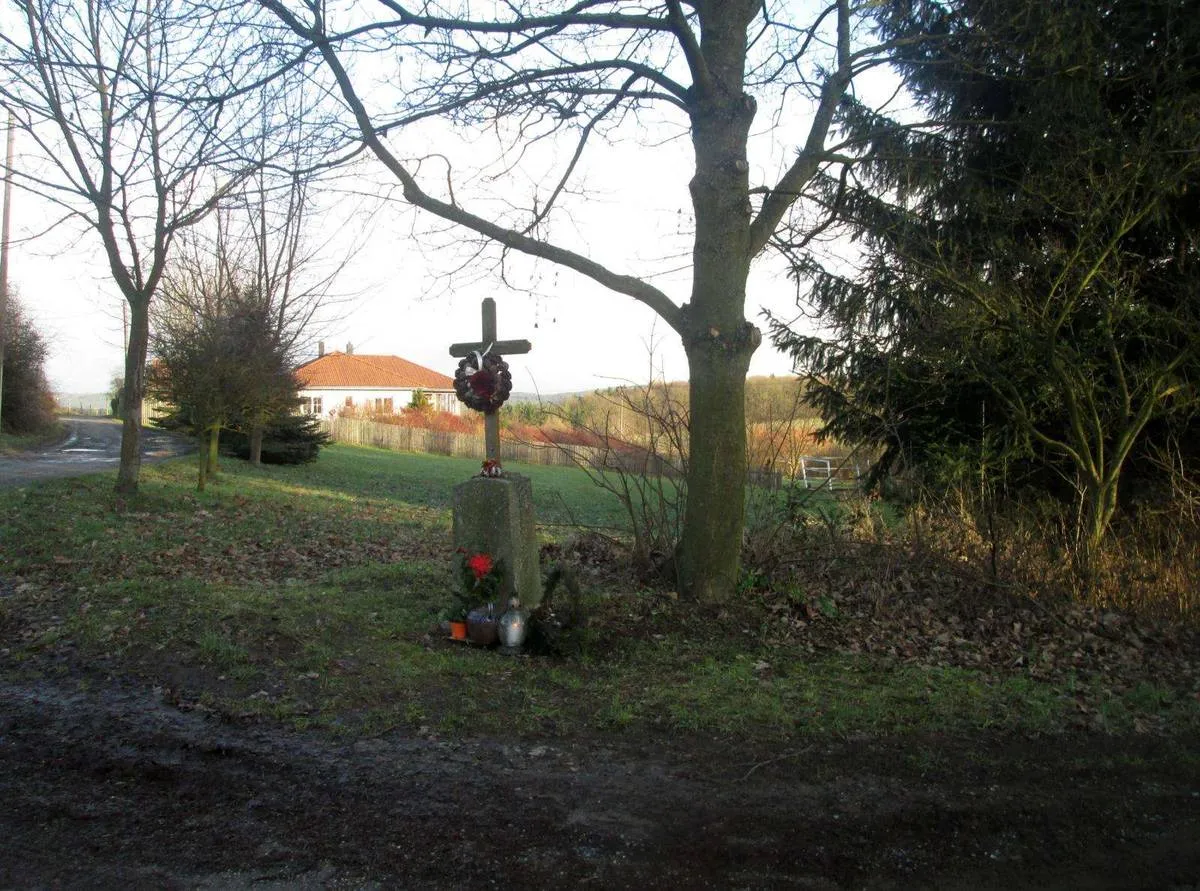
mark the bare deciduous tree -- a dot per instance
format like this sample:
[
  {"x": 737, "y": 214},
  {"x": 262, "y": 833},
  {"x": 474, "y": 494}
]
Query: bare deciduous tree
[
  {"x": 218, "y": 360},
  {"x": 131, "y": 107},
  {"x": 255, "y": 249},
  {"x": 536, "y": 71}
]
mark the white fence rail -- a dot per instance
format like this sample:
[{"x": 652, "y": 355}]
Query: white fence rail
[{"x": 816, "y": 472}]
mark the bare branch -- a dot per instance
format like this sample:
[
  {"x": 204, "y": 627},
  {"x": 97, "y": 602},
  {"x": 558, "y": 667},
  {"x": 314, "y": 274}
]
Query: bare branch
[
  {"x": 575, "y": 16},
  {"x": 810, "y": 158},
  {"x": 414, "y": 194},
  {"x": 701, "y": 76}
]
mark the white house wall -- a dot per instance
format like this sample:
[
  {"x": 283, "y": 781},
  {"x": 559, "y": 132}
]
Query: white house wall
[{"x": 364, "y": 399}]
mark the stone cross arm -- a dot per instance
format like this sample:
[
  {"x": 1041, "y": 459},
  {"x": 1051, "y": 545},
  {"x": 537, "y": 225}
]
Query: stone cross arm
[
  {"x": 498, "y": 347},
  {"x": 489, "y": 343}
]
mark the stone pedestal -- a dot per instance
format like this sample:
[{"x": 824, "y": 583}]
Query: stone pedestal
[{"x": 495, "y": 516}]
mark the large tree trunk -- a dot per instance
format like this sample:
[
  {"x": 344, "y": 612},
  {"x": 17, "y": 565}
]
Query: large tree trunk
[
  {"x": 256, "y": 439},
  {"x": 710, "y": 553},
  {"x": 214, "y": 441},
  {"x": 135, "y": 390},
  {"x": 201, "y": 460},
  {"x": 718, "y": 339}
]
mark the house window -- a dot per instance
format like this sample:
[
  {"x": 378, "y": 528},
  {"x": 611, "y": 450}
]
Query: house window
[
  {"x": 310, "y": 405},
  {"x": 349, "y": 402},
  {"x": 445, "y": 401},
  {"x": 383, "y": 406}
]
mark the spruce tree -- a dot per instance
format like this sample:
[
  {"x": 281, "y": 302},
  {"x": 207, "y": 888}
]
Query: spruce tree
[{"x": 1028, "y": 291}]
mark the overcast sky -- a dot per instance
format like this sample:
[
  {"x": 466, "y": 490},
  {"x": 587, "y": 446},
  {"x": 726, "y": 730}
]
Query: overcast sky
[
  {"x": 412, "y": 286},
  {"x": 403, "y": 292}
]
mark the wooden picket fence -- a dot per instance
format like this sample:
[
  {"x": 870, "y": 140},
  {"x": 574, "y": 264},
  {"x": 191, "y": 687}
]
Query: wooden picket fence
[
  {"x": 357, "y": 431},
  {"x": 812, "y": 472}
]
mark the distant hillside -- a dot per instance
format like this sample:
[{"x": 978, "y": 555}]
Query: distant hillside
[
  {"x": 546, "y": 398},
  {"x": 770, "y": 401},
  {"x": 767, "y": 398},
  {"x": 82, "y": 401}
]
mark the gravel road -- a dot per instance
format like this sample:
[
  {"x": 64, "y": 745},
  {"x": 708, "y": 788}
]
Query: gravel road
[{"x": 90, "y": 446}]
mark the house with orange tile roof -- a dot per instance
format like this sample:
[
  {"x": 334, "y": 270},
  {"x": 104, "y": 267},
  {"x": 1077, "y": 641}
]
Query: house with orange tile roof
[{"x": 336, "y": 381}]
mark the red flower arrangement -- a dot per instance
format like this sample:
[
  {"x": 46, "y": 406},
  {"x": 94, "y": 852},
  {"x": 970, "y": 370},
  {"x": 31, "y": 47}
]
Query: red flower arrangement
[
  {"x": 480, "y": 565},
  {"x": 481, "y": 576}
]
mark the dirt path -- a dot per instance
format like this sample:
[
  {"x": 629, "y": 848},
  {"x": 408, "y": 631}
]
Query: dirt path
[
  {"x": 90, "y": 445},
  {"x": 105, "y": 786}
]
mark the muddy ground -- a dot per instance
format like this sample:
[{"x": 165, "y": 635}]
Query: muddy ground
[{"x": 105, "y": 785}]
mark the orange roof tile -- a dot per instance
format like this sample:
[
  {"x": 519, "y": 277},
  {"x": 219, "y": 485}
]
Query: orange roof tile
[{"x": 384, "y": 372}]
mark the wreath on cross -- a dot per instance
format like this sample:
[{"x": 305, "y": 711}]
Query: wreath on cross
[{"x": 483, "y": 381}]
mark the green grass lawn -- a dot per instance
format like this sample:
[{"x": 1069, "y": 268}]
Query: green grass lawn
[
  {"x": 310, "y": 594},
  {"x": 562, "y": 496}
]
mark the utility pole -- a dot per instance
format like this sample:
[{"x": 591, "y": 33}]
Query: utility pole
[{"x": 4, "y": 229}]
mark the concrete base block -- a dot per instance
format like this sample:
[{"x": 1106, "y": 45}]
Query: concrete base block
[{"x": 495, "y": 516}]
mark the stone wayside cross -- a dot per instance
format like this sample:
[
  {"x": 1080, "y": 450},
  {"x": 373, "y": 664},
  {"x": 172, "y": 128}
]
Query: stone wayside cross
[
  {"x": 491, "y": 420},
  {"x": 494, "y": 515}
]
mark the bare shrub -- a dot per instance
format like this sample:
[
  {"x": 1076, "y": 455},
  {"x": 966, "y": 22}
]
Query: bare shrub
[
  {"x": 27, "y": 404},
  {"x": 639, "y": 435},
  {"x": 1149, "y": 563},
  {"x": 644, "y": 465},
  {"x": 789, "y": 522}
]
